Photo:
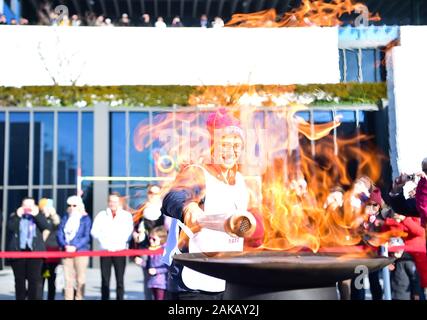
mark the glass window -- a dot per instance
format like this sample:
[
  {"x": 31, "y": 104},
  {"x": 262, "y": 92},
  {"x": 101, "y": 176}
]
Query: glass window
[
  {"x": 39, "y": 193},
  {"x": 137, "y": 196},
  {"x": 347, "y": 128},
  {"x": 14, "y": 199},
  {"x": 304, "y": 114},
  {"x": 87, "y": 188},
  {"x": 19, "y": 148},
  {"x": 117, "y": 144},
  {"x": 43, "y": 148},
  {"x": 341, "y": 62},
  {"x": 121, "y": 190},
  {"x": 139, "y": 160},
  {"x": 322, "y": 116},
  {"x": 190, "y": 135},
  {"x": 371, "y": 65},
  {"x": 352, "y": 65},
  {"x": 365, "y": 126},
  {"x": 61, "y": 200},
  {"x": 87, "y": 144},
  {"x": 67, "y": 148},
  {"x": 2, "y": 126}
]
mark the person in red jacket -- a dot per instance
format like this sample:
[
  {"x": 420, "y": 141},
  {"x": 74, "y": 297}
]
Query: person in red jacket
[
  {"x": 421, "y": 193},
  {"x": 414, "y": 242}
]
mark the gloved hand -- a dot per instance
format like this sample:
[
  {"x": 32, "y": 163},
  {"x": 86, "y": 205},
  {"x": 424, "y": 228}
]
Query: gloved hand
[{"x": 191, "y": 214}]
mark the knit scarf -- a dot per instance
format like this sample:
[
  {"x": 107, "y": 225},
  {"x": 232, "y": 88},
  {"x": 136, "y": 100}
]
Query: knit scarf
[
  {"x": 72, "y": 226},
  {"x": 27, "y": 231}
]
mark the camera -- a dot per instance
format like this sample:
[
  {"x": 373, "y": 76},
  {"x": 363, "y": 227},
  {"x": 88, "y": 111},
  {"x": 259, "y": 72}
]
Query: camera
[{"x": 411, "y": 177}]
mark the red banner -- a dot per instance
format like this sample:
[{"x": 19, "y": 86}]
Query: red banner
[{"x": 63, "y": 254}]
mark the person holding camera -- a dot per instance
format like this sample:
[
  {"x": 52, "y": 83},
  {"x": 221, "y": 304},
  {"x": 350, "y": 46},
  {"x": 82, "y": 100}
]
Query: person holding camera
[
  {"x": 402, "y": 195},
  {"x": 25, "y": 233},
  {"x": 421, "y": 194}
]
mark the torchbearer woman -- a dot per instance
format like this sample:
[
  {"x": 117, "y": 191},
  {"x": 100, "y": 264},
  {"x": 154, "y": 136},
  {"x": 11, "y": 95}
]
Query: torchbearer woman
[{"x": 205, "y": 202}]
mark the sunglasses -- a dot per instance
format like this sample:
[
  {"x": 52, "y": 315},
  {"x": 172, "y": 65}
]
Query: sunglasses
[
  {"x": 72, "y": 205},
  {"x": 372, "y": 205},
  {"x": 153, "y": 239}
]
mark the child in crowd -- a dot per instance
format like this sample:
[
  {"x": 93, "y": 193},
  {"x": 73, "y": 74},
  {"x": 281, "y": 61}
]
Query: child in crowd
[
  {"x": 156, "y": 269},
  {"x": 405, "y": 283}
]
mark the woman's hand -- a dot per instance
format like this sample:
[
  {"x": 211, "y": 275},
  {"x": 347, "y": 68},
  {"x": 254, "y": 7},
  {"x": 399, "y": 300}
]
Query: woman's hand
[
  {"x": 399, "y": 217},
  {"x": 35, "y": 211},
  {"x": 70, "y": 249},
  {"x": 191, "y": 215},
  {"x": 152, "y": 271},
  {"x": 138, "y": 261}
]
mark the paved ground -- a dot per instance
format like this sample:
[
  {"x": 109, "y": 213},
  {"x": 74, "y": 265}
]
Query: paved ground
[{"x": 133, "y": 284}]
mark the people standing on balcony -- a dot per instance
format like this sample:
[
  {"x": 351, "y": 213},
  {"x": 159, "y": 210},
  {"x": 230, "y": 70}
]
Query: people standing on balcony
[
  {"x": 204, "y": 22},
  {"x": 217, "y": 23},
  {"x": 99, "y": 22},
  {"x": 74, "y": 236},
  {"x": 176, "y": 22},
  {"x": 113, "y": 228},
  {"x": 214, "y": 188},
  {"x": 125, "y": 21},
  {"x": 49, "y": 237},
  {"x": 160, "y": 23},
  {"x": 3, "y": 19},
  {"x": 75, "y": 21},
  {"x": 25, "y": 233},
  {"x": 146, "y": 21}
]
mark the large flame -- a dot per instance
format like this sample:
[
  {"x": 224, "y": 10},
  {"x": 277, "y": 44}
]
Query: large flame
[
  {"x": 300, "y": 164},
  {"x": 309, "y": 13}
]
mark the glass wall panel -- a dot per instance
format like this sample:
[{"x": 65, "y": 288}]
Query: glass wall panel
[
  {"x": 67, "y": 148},
  {"x": 87, "y": 144},
  {"x": 43, "y": 148},
  {"x": 19, "y": 148},
  {"x": 139, "y": 156},
  {"x": 117, "y": 144},
  {"x": 2, "y": 137}
]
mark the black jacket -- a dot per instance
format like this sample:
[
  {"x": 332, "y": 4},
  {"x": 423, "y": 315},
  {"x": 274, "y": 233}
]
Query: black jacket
[
  {"x": 404, "y": 206},
  {"x": 404, "y": 279},
  {"x": 51, "y": 239},
  {"x": 13, "y": 232}
]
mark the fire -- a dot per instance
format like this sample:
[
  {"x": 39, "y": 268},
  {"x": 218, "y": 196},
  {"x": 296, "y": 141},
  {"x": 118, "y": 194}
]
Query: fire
[
  {"x": 295, "y": 184},
  {"x": 310, "y": 13},
  {"x": 294, "y": 205}
]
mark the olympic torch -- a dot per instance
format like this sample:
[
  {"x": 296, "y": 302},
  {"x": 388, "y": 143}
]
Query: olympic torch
[{"x": 238, "y": 224}]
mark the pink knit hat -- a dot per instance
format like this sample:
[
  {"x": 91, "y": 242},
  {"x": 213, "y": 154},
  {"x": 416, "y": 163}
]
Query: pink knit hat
[
  {"x": 222, "y": 120},
  {"x": 375, "y": 197}
]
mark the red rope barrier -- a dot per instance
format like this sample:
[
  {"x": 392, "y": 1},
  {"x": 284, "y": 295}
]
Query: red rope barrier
[{"x": 63, "y": 254}]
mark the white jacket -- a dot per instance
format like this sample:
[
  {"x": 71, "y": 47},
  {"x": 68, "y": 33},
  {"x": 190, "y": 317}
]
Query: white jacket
[{"x": 113, "y": 234}]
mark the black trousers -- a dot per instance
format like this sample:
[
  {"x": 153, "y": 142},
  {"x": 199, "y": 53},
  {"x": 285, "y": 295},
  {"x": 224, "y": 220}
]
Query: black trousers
[
  {"x": 28, "y": 270},
  {"x": 119, "y": 264},
  {"x": 51, "y": 288}
]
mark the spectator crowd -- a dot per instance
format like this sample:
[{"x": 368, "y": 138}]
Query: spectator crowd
[
  {"x": 48, "y": 17},
  {"x": 40, "y": 228}
]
